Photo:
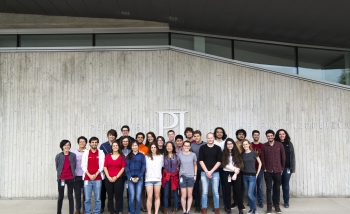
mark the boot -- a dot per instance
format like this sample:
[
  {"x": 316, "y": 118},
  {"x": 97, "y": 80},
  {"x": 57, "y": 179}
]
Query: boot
[
  {"x": 174, "y": 211},
  {"x": 269, "y": 209},
  {"x": 204, "y": 211},
  {"x": 217, "y": 211}
]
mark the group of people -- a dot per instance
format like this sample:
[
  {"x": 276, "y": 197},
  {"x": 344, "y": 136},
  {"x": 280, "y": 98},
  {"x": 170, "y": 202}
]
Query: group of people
[{"x": 156, "y": 169}]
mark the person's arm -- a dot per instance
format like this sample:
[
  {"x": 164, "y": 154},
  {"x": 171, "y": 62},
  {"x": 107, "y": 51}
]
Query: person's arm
[
  {"x": 263, "y": 158},
  {"x": 101, "y": 161},
  {"x": 283, "y": 157},
  {"x": 215, "y": 167},
  {"x": 119, "y": 174},
  {"x": 143, "y": 166},
  {"x": 195, "y": 169},
  {"x": 84, "y": 161},
  {"x": 127, "y": 169},
  {"x": 230, "y": 168},
  {"x": 259, "y": 166},
  {"x": 292, "y": 155},
  {"x": 56, "y": 161}
]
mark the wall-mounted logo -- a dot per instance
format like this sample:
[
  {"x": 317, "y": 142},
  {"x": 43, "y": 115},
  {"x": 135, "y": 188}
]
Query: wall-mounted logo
[{"x": 178, "y": 118}]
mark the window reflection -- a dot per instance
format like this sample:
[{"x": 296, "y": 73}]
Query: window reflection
[
  {"x": 8, "y": 41},
  {"x": 128, "y": 39},
  {"x": 56, "y": 40}
]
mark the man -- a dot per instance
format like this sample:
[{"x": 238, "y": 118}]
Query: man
[
  {"x": 273, "y": 159},
  {"x": 189, "y": 134},
  {"x": 257, "y": 146},
  {"x": 171, "y": 136},
  {"x": 79, "y": 179},
  {"x": 107, "y": 148},
  {"x": 92, "y": 164},
  {"x": 210, "y": 157},
  {"x": 140, "y": 137},
  {"x": 179, "y": 140},
  {"x": 125, "y": 132},
  {"x": 220, "y": 137},
  {"x": 195, "y": 148},
  {"x": 241, "y": 134}
]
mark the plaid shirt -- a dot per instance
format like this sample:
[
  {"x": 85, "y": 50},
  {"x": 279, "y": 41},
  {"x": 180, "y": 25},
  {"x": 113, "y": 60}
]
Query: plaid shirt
[
  {"x": 273, "y": 157},
  {"x": 135, "y": 167}
]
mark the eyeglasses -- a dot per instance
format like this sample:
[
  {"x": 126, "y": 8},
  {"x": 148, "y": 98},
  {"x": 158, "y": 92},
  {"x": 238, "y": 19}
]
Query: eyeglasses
[
  {"x": 125, "y": 141},
  {"x": 125, "y": 130}
]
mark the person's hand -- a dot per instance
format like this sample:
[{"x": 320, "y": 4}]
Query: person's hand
[
  {"x": 92, "y": 177},
  {"x": 237, "y": 170},
  {"x": 110, "y": 179}
]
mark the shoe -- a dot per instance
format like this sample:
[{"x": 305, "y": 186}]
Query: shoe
[
  {"x": 261, "y": 205},
  {"x": 174, "y": 211},
  {"x": 250, "y": 212},
  {"x": 277, "y": 209},
  {"x": 198, "y": 210},
  {"x": 228, "y": 211},
  {"x": 204, "y": 210},
  {"x": 217, "y": 211},
  {"x": 243, "y": 208},
  {"x": 233, "y": 205},
  {"x": 254, "y": 212},
  {"x": 269, "y": 209},
  {"x": 241, "y": 212},
  {"x": 225, "y": 208},
  {"x": 77, "y": 212},
  {"x": 286, "y": 205},
  {"x": 143, "y": 210},
  {"x": 165, "y": 211}
]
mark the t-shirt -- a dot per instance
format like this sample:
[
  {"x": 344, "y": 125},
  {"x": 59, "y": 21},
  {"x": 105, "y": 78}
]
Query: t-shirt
[
  {"x": 221, "y": 144},
  {"x": 93, "y": 165},
  {"x": 257, "y": 149},
  {"x": 66, "y": 173},
  {"x": 186, "y": 164},
  {"x": 154, "y": 168},
  {"x": 195, "y": 149},
  {"x": 78, "y": 169},
  {"x": 114, "y": 166},
  {"x": 249, "y": 163},
  {"x": 162, "y": 150},
  {"x": 210, "y": 156},
  {"x": 143, "y": 149},
  {"x": 230, "y": 163}
]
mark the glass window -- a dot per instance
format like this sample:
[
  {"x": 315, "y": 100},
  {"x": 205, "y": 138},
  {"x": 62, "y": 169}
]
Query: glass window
[
  {"x": 129, "y": 39},
  {"x": 56, "y": 40},
  {"x": 324, "y": 64},
  {"x": 277, "y": 57},
  {"x": 218, "y": 47},
  {"x": 8, "y": 41},
  {"x": 182, "y": 41}
]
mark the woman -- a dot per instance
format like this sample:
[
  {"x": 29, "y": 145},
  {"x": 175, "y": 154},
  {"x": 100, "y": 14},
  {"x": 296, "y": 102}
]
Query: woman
[
  {"x": 160, "y": 143},
  {"x": 170, "y": 177},
  {"x": 289, "y": 166},
  {"x": 150, "y": 138},
  {"x": 188, "y": 169},
  {"x": 79, "y": 182},
  {"x": 153, "y": 178},
  {"x": 125, "y": 144},
  {"x": 232, "y": 163},
  {"x": 135, "y": 168},
  {"x": 114, "y": 167},
  {"x": 250, "y": 173},
  {"x": 65, "y": 167}
]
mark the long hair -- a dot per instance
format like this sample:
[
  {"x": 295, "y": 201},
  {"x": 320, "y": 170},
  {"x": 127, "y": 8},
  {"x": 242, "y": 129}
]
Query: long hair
[
  {"x": 149, "y": 154},
  {"x": 166, "y": 153},
  {"x": 154, "y": 138},
  {"x": 121, "y": 142},
  {"x": 119, "y": 149},
  {"x": 277, "y": 137},
  {"x": 130, "y": 155},
  {"x": 160, "y": 137},
  {"x": 224, "y": 135},
  {"x": 236, "y": 156}
]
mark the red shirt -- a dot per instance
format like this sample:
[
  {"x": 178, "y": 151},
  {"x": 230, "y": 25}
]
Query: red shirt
[
  {"x": 114, "y": 166},
  {"x": 66, "y": 173},
  {"x": 257, "y": 149},
  {"x": 92, "y": 166}
]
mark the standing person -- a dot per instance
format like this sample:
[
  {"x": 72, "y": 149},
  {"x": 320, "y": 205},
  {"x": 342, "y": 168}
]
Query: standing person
[
  {"x": 220, "y": 137},
  {"x": 161, "y": 144},
  {"x": 210, "y": 157},
  {"x": 153, "y": 181},
  {"x": 92, "y": 164},
  {"x": 188, "y": 170},
  {"x": 106, "y": 147},
  {"x": 256, "y": 146},
  {"x": 170, "y": 177},
  {"x": 114, "y": 167},
  {"x": 135, "y": 169},
  {"x": 125, "y": 133},
  {"x": 188, "y": 133},
  {"x": 289, "y": 166},
  {"x": 79, "y": 182},
  {"x": 250, "y": 174},
  {"x": 140, "y": 137},
  {"x": 273, "y": 160},
  {"x": 195, "y": 148},
  {"x": 125, "y": 143},
  {"x": 179, "y": 140},
  {"x": 65, "y": 167},
  {"x": 150, "y": 138},
  {"x": 233, "y": 163},
  {"x": 171, "y": 136}
]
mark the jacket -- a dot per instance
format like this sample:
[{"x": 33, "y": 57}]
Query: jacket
[
  {"x": 101, "y": 161},
  {"x": 60, "y": 161},
  {"x": 174, "y": 182}
]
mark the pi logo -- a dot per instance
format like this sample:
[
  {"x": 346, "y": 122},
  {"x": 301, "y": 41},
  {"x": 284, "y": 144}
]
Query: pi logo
[{"x": 178, "y": 117}]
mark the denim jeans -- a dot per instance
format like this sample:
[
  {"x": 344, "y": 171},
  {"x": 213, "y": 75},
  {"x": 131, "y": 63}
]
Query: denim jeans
[
  {"x": 70, "y": 184},
  {"x": 285, "y": 185},
  {"x": 121, "y": 206},
  {"x": 249, "y": 183},
  {"x": 92, "y": 186},
  {"x": 135, "y": 190},
  {"x": 215, "y": 180},
  {"x": 196, "y": 190},
  {"x": 258, "y": 190},
  {"x": 167, "y": 190}
]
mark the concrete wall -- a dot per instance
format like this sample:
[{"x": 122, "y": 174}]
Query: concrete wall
[{"x": 49, "y": 96}]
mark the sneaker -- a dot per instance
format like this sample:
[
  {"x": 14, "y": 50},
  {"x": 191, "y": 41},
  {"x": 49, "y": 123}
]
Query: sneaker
[
  {"x": 254, "y": 212},
  {"x": 277, "y": 209},
  {"x": 228, "y": 211},
  {"x": 243, "y": 208},
  {"x": 269, "y": 209},
  {"x": 286, "y": 205},
  {"x": 250, "y": 212},
  {"x": 233, "y": 205},
  {"x": 241, "y": 212},
  {"x": 198, "y": 210},
  {"x": 261, "y": 205}
]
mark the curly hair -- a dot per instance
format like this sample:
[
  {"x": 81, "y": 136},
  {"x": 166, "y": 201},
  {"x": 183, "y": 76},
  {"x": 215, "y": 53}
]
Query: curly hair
[
  {"x": 236, "y": 156},
  {"x": 277, "y": 137}
]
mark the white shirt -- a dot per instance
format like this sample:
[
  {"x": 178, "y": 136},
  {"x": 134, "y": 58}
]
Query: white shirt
[
  {"x": 221, "y": 144},
  {"x": 230, "y": 163},
  {"x": 154, "y": 168}
]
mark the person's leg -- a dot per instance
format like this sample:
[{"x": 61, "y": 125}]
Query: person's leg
[
  {"x": 60, "y": 197},
  {"x": 276, "y": 177},
  {"x": 221, "y": 184},
  {"x": 196, "y": 190},
  {"x": 189, "y": 198},
  {"x": 88, "y": 193},
  {"x": 259, "y": 190},
  {"x": 268, "y": 181},
  {"x": 70, "y": 185},
  {"x": 285, "y": 185},
  {"x": 237, "y": 188},
  {"x": 118, "y": 187},
  {"x": 132, "y": 193},
  {"x": 215, "y": 188},
  {"x": 183, "y": 199},
  {"x": 149, "y": 191},
  {"x": 250, "y": 192},
  {"x": 176, "y": 198},
  {"x": 77, "y": 192},
  {"x": 121, "y": 201},
  {"x": 156, "y": 193},
  {"x": 138, "y": 192},
  {"x": 205, "y": 186},
  {"x": 110, "y": 192},
  {"x": 97, "y": 186},
  {"x": 227, "y": 185},
  {"x": 166, "y": 194},
  {"x": 103, "y": 195}
]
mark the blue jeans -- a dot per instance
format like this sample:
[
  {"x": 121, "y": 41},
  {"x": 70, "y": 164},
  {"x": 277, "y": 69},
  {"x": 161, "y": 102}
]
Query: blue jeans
[
  {"x": 122, "y": 196},
  {"x": 249, "y": 183},
  {"x": 135, "y": 190},
  {"x": 285, "y": 185},
  {"x": 215, "y": 180},
  {"x": 258, "y": 190},
  {"x": 167, "y": 190},
  {"x": 93, "y": 186}
]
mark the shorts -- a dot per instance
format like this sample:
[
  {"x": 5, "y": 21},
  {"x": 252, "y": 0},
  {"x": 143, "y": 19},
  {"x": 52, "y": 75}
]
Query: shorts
[
  {"x": 186, "y": 181},
  {"x": 153, "y": 183}
]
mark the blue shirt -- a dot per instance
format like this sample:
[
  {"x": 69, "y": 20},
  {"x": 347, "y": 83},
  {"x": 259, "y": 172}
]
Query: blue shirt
[
  {"x": 135, "y": 167},
  {"x": 106, "y": 148}
]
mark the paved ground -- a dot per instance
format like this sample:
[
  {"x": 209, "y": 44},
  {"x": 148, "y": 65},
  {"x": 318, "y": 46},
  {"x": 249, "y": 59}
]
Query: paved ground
[{"x": 297, "y": 205}]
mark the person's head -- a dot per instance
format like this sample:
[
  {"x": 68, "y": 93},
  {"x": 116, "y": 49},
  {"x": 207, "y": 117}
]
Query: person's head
[
  {"x": 171, "y": 135},
  {"x": 65, "y": 145},
  {"x": 230, "y": 149},
  {"x": 197, "y": 135},
  {"x": 169, "y": 148},
  {"x": 125, "y": 130},
  {"x": 187, "y": 145},
  {"x": 153, "y": 150},
  {"x": 282, "y": 136},
  {"x": 270, "y": 135},
  {"x": 219, "y": 133},
  {"x": 112, "y": 135},
  {"x": 125, "y": 142},
  {"x": 210, "y": 138},
  {"x": 160, "y": 141},
  {"x": 140, "y": 137},
  {"x": 116, "y": 149},
  {"x": 150, "y": 138},
  {"x": 179, "y": 141},
  {"x": 188, "y": 133},
  {"x": 134, "y": 146},
  {"x": 256, "y": 135},
  {"x": 93, "y": 142},
  {"x": 246, "y": 145},
  {"x": 82, "y": 141},
  {"x": 241, "y": 134}
]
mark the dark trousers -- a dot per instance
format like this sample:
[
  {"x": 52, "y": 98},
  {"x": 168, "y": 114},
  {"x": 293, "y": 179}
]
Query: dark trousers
[
  {"x": 113, "y": 191},
  {"x": 103, "y": 194},
  {"x": 197, "y": 190},
  {"x": 236, "y": 189},
  {"x": 78, "y": 189},
  {"x": 276, "y": 179},
  {"x": 69, "y": 184},
  {"x": 221, "y": 171}
]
